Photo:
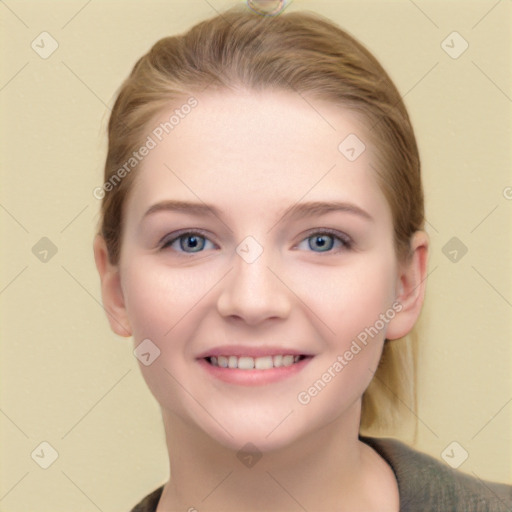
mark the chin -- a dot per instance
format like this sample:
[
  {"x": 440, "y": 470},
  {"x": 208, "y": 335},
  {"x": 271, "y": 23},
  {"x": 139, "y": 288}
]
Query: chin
[
  {"x": 263, "y": 433},
  {"x": 251, "y": 439}
]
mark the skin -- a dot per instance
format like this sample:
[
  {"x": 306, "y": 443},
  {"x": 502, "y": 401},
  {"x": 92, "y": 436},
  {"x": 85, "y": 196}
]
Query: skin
[{"x": 252, "y": 155}]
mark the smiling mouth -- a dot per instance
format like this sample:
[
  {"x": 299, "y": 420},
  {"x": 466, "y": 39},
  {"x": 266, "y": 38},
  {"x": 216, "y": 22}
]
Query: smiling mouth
[{"x": 255, "y": 363}]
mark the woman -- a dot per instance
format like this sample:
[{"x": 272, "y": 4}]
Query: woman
[{"x": 262, "y": 240}]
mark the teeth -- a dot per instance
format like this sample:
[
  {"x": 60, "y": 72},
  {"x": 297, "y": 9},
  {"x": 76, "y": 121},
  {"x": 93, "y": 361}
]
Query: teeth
[
  {"x": 245, "y": 363},
  {"x": 250, "y": 363},
  {"x": 263, "y": 363},
  {"x": 287, "y": 360}
]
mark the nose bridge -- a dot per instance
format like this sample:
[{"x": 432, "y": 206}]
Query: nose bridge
[{"x": 252, "y": 291}]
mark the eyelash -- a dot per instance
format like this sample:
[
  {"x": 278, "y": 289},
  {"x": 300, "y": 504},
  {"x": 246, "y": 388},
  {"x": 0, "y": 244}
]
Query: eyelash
[{"x": 345, "y": 240}]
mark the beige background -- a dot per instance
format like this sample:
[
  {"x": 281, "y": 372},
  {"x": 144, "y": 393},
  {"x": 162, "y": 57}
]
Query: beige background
[{"x": 67, "y": 380}]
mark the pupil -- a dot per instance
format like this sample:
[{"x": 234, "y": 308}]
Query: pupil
[
  {"x": 191, "y": 243},
  {"x": 322, "y": 242}
]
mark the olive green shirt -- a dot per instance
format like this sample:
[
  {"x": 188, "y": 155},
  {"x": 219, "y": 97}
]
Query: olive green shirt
[{"x": 424, "y": 484}]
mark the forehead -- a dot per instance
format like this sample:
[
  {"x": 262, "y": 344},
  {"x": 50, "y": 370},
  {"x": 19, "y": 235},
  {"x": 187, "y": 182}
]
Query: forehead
[{"x": 257, "y": 150}]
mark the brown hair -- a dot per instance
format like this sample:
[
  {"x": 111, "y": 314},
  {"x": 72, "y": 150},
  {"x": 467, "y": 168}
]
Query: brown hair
[{"x": 295, "y": 51}]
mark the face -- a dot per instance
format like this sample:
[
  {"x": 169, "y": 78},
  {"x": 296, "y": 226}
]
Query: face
[{"x": 250, "y": 239}]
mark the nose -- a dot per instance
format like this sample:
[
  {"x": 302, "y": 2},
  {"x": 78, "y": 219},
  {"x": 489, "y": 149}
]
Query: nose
[{"x": 252, "y": 292}]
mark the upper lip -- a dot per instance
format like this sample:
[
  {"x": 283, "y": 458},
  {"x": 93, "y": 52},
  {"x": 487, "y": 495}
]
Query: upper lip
[{"x": 251, "y": 351}]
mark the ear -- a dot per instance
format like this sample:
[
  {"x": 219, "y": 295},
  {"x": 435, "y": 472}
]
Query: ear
[
  {"x": 410, "y": 286},
  {"x": 111, "y": 291}
]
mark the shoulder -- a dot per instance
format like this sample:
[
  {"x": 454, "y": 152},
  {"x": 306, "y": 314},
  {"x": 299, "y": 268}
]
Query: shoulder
[
  {"x": 425, "y": 483},
  {"x": 150, "y": 502}
]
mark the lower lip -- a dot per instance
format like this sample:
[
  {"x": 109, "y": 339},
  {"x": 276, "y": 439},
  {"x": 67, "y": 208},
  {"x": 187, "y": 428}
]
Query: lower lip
[{"x": 253, "y": 377}]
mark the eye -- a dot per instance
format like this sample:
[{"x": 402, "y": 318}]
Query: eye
[
  {"x": 188, "y": 242},
  {"x": 325, "y": 241}
]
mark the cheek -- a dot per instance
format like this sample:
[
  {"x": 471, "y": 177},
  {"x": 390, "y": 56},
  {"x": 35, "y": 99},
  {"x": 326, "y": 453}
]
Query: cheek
[
  {"x": 164, "y": 305},
  {"x": 334, "y": 304},
  {"x": 158, "y": 298},
  {"x": 349, "y": 298},
  {"x": 351, "y": 304}
]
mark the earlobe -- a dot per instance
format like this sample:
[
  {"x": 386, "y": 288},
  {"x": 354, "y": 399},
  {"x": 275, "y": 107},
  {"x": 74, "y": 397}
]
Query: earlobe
[
  {"x": 411, "y": 282},
  {"x": 111, "y": 290}
]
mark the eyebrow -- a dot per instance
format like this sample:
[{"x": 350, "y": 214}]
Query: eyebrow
[
  {"x": 296, "y": 211},
  {"x": 191, "y": 208}
]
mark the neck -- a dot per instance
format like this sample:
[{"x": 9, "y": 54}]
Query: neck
[{"x": 323, "y": 470}]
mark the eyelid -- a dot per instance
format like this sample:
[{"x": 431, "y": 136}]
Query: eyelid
[
  {"x": 343, "y": 237},
  {"x": 172, "y": 237},
  {"x": 346, "y": 239}
]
